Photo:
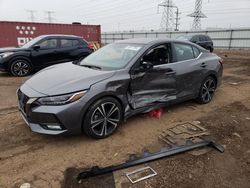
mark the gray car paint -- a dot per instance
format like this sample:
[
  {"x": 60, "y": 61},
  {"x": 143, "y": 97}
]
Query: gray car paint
[{"x": 127, "y": 86}]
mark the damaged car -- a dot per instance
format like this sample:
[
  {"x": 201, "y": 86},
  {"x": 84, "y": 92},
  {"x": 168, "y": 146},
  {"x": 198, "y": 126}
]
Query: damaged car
[{"x": 115, "y": 82}]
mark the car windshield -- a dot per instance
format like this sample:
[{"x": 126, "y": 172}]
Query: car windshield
[
  {"x": 113, "y": 56},
  {"x": 32, "y": 42},
  {"x": 184, "y": 37}
]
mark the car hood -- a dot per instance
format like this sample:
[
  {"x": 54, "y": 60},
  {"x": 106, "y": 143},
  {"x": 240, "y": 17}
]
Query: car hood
[
  {"x": 2, "y": 50},
  {"x": 66, "y": 78}
]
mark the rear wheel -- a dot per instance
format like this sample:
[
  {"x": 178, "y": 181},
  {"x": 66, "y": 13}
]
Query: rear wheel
[
  {"x": 207, "y": 90},
  {"x": 103, "y": 118},
  {"x": 20, "y": 67}
]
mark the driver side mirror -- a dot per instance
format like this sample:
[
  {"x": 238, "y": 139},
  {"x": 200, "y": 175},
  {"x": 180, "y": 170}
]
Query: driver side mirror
[
  {"x": 144, "y": 66},
  {"x": 36, "y": 47}
]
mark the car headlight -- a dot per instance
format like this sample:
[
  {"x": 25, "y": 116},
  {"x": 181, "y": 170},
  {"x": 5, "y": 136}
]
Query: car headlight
[
  {"x": 5, "y": 54},
  {"x": 61, "y": 99}
]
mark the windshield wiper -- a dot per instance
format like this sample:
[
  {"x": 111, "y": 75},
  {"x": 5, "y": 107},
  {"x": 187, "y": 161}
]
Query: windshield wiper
[{"x": 92, "y": 67}]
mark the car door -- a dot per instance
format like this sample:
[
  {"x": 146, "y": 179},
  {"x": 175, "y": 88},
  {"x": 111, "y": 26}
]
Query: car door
[
  {"x": 153, "y": 81},
  {"x": 188, "y": 66},
  {"x": 45, "y": 52}
]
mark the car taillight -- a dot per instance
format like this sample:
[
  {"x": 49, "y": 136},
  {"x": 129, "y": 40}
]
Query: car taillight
[
  {"x": 91, "y": 46},
  {"x": 221, "y": 61}
]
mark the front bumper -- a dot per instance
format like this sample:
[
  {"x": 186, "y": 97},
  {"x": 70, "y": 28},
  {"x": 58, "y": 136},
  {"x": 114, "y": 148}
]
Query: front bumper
[
  {"x": 3, "y": 65},
  {"x": 52, "y": 120}
]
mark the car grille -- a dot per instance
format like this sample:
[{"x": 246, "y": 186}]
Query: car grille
[{"x": 22, "y": 99}]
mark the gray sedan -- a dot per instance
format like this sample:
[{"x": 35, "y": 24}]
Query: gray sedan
[{"x": 117, "y": 81}]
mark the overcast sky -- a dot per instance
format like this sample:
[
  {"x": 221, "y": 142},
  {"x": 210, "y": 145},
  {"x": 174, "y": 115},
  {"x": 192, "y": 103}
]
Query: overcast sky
[{"x": 114, "y": 15}]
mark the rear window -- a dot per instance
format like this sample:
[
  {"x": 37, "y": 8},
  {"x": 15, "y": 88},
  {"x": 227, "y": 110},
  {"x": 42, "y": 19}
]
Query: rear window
[{"x": 183, "y": 51}]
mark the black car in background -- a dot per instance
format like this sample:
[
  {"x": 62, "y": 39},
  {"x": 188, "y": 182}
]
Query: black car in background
[
  {"x": 202, "y": 40},
  {"x": 42, "y": 52}
]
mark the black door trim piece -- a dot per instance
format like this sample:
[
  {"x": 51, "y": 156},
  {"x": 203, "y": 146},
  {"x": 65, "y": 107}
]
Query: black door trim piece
[{"x": 147, "y": 157}]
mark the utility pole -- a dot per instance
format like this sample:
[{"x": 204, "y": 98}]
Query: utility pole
[
  {"x": 177, "y": 18},
  {"x": 50, "y": 18},
  {"x": 167, "y": 16},
  {"x": 32, "y": 15},
  {"x": 197, "y": 15}
]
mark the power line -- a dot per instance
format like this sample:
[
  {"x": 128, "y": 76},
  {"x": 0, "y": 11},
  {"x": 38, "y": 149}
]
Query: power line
[
  {"x": 167, "y": 20},
  {"x": 50, "y": 18},
  {"x": 32, "y": 15},
  {"x": 197, "y": 14}
]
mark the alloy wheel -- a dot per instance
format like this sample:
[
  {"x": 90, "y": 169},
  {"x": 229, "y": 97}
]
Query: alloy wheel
[
  {"x": 105, "y": 119},
  {"x": 20, "y": 68},
  {"x": 208, "y": 90}
]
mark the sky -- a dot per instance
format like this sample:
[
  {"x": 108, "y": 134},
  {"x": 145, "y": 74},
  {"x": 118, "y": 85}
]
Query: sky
[{"x": 121, "y": 15}]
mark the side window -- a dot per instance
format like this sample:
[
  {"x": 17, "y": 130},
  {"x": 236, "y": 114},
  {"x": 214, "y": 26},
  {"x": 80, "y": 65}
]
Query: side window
[
  {"x": 195, "y": 38},
  {"x": 202, "y": 38},
  {"x": 196, "y": 52},
  {"x": 158, "y": 55},
  {"x": 83, "y": 42},
  {"x": 183, "y": 52},
  {"x": 66, "y": 43},
  {"x": 48, "y": 44},
  {"x": 75, "y": 42}
]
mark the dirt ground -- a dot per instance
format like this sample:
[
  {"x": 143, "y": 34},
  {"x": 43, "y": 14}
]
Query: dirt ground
[{"x": 53, "y": 161}]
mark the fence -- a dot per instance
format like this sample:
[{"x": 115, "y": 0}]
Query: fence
[{"x": 223, "y": 38}]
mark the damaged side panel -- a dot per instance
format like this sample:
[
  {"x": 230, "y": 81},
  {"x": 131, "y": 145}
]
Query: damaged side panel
[{"x": 157, "y": 85}]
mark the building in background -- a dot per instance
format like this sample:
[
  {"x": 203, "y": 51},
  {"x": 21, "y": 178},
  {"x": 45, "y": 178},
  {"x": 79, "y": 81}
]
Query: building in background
[{"x": 18, "y": 33}]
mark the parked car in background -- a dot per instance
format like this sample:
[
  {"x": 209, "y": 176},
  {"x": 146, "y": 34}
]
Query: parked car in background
[
  {"x": 115, "y": 82},
  {"x": 42, "y": 52},
  {"x": 202, "y": 40}
]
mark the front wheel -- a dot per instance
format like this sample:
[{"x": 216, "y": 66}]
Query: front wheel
[
  {"x": 20, "y": 67},
  {"x": 207, "y": 90},
  {"x": 103, "y": 118}
]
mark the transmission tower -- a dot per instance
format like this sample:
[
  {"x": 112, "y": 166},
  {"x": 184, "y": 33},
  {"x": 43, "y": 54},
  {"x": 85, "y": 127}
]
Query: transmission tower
[
  {"x": 50, "y": 18},
  {"x": 167, "y": 20},
  {"x": 32, "y": 15},
  {"x": 197, "y": 14}
]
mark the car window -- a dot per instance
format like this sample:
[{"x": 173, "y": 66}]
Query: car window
[
  {"x": 208, "y": 38},
  {"x": 65, "y": 43},
  {"x": 195, "y": 38},
  {"x": 159, "y": 55},
  {"x": 196, "y": 52},
  {"x": 113, "y": 56},
  {"x": 202, "y": 38},
  {"x": 183, "y": 51},
  {"x": 47, "y": 44}
]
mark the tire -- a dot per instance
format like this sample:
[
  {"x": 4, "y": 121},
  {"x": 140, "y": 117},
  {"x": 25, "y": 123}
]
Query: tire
[
  {"x": 207, "y": 90},
  {"x": 20, "y": 67},
  {"x": 102, "y": 118}
]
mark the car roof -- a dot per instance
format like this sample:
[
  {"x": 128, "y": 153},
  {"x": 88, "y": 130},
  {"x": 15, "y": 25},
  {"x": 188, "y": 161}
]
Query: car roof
[
  {"x": 147, "y": 40},
  {"x": 151, "y": 41},
  {"x": 60, "y": 36},
  {"x": 193, "y": 34}
]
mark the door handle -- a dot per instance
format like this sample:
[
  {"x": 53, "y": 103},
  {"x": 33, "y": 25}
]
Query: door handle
[
  {"x": 170, "y": 72},
  {"x": 203, "y": 65}
]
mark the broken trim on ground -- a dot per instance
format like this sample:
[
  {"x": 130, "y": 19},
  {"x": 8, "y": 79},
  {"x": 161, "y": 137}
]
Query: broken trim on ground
[{"x": 147, "y": 157}]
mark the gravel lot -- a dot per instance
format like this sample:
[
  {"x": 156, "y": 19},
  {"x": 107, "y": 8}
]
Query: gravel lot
[{"x": 49, "y": 161}]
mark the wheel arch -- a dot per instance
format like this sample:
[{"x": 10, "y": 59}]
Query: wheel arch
[
  {"x": 19, "y": 57},
  {"x": 99, "y": 97}
]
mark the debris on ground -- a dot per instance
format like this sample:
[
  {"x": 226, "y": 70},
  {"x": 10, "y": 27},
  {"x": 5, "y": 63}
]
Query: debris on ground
[
  {"x": 25, "y": 185},
  {"x": 141, "y": 174},
  {"x": 236, "y": 134},
  {"x": 157, "y": 113}
]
